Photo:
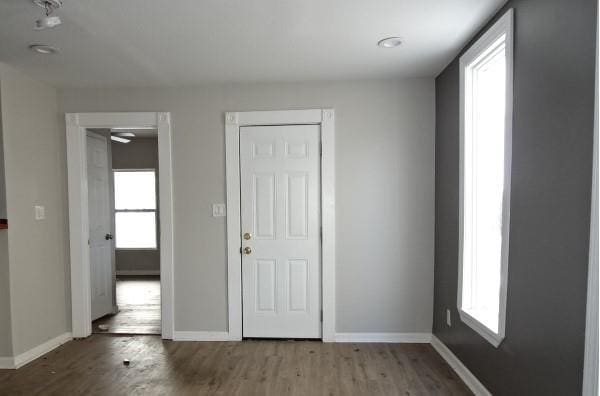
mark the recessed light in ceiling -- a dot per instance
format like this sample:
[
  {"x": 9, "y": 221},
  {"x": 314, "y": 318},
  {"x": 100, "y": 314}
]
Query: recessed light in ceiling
[
  {"x": 43, "y": 49},
  {"x": 390, "y": 42}
]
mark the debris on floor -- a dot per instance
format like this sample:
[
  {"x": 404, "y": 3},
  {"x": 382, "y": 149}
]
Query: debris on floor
[
  {"x": 103, "y": 327},
  {"x": 126, "y": 362}
]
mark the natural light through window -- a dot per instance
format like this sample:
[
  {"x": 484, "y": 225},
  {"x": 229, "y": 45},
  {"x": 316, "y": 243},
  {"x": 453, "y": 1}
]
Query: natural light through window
[
  {"x": 135, "y": 209},
  {"x": 485, "y": 176}
]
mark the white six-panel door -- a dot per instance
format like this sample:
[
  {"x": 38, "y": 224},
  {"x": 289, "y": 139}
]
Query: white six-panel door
[
  {"x": 100, "y": 225},
  {"x": 281, "y": 222}
]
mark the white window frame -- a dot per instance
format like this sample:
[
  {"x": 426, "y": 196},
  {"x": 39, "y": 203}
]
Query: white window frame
[
  {"x": 155, "y": 210},
  {"x": 504, "y": 26}
]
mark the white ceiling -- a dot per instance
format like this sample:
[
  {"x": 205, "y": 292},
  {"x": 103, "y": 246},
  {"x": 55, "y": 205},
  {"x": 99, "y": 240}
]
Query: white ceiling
[{"x": 181, "y": 42}]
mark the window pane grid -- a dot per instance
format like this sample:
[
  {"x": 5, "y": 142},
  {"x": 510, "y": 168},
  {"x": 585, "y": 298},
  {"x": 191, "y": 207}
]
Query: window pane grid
[{"x": 135, "y": 209}]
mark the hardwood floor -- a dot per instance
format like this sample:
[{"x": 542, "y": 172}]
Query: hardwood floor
[
  {"x": 138, "y": 298},
  {"x": 94, "y": 366}
]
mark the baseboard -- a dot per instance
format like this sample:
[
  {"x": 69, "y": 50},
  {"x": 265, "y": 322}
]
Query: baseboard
[
  {"x": 34, "y": 353},
  {"x": 416, "y": 338},
  {"x": 138, "y": 272},
  {"x": 7, "y": 363},
  {"x": 201, "y": 336},
  {"x": 463, "y": 372}
]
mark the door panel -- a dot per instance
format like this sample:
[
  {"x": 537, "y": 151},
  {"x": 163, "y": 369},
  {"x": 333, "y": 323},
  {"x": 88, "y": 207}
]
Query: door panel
[
  {"x": 281, "y": 212},
  {"x": 100, "y": 225}
]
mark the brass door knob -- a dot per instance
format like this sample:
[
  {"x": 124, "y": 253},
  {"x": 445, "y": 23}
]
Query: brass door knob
[
  {"x": 247, "y": 236},
  {"x": 247, "y": 250}
]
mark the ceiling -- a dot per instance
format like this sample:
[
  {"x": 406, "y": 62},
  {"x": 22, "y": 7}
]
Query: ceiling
[{"x": 184, "y": 42}]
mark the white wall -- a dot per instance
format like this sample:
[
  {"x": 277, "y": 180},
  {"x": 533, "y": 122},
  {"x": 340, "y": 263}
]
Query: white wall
[
  {"x": 35, "y": 166},
  {"x": 385, "y": 181}
]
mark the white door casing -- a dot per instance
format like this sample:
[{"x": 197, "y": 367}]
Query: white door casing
[
  {"x": 76, "y": 125},
  {"x": 100, "y": 247},
  {"x": 280, "y": 223}
]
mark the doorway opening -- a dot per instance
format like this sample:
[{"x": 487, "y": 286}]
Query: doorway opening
[
  {"x": 121, "y": 223},
  {"x": 124, "y": 230}
]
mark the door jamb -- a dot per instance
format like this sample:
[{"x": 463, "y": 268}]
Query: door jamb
[
  {"x": 76, "y": 125},
  {"x": 233, "y": 121}
]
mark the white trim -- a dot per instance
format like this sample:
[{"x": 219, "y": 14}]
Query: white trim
[
  {"x": 138, "y": 272},
  {"x": 504, "y": 25},
  {"x": 76, "y": 124},
  {"x": 410, "y": 338},
  {"x": 42, "y": 349},
  {"x": 590, "y": 367},
  {"x": 233, "y": 122},
  {"x": 7, "y": 363},
  {"x": 459, "y": 368},
  {"x": 201, "y": 336}
]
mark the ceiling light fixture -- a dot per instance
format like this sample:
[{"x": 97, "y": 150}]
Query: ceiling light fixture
[
  {"x": 48, "y": 21},
  {"x": 132, "y": 128},
  {"x": 390, "y": 42},
  {"x": 124, "y": 134},
  {"x": 43, "y": 49},
  {"x": 120, "y": 139}
]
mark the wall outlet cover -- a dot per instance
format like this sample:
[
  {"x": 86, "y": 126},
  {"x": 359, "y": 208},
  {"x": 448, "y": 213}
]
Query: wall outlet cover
[
  {"x": 218, "y": 210},
  {"x": 40, "y": 212}
]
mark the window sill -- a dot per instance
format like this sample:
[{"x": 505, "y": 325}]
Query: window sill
[{"x": 493, "y": 338}]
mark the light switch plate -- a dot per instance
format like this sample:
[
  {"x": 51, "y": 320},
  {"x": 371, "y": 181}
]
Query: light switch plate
[
  {"x": 40, "y": 212},
  {"x": 219, "y": 210}
]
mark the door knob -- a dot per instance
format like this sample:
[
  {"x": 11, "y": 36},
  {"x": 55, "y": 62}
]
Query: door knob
[
  {"x": 247, "y": 236},
  {"x": 247, "y": 250},
  {"x": 108, "y": 237}
]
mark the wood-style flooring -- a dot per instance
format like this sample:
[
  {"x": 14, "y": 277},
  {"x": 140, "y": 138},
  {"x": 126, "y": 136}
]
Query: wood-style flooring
[
  {"x": 138, "y": 298},
  {"x": 94, "y": 366}
]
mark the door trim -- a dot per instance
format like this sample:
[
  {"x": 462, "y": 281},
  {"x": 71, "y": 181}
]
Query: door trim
[
  {"x": 76, "y": 124},
  {"x": 233, "y": 121}
]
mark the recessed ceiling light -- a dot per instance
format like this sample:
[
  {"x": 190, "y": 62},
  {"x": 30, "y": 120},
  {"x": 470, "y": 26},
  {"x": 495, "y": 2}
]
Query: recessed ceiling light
[
  {"x": 390, "y": 42},
  {"x": 120, "y": 139},
  {"x": 43, "y": 49}
]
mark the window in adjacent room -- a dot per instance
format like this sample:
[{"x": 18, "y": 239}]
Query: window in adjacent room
[
  {"x": 485, "y": 163},
  {"x": 135, "y": 209}
]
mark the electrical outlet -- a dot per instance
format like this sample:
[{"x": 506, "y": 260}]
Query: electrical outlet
[
  {"x": 219, "y": 210},
  {"x": 448, "y": 318},
  {"x": 40, "y": 212}
]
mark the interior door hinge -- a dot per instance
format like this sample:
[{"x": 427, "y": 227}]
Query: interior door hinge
[
  {"x": 321, "y": 149},
  {"x": 321, "y": 315},
  {"x": 321, "y": 233}
]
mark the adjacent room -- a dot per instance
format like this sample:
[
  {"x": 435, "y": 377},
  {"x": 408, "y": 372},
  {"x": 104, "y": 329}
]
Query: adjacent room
[{"x": 309, "y": 198}]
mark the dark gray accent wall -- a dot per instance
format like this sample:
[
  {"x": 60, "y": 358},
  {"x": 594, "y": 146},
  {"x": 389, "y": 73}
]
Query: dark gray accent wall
[{"x": 554, "y": 70}]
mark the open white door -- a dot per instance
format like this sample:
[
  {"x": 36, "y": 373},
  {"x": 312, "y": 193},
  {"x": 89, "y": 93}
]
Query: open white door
[
  {"x": 281, "y": 228},
  {"x": 100, "y": 242}
]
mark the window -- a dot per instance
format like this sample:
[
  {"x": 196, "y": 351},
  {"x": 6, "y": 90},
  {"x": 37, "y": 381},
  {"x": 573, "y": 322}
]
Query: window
[
  {"x": 486, "y": 122},
  {"x": 135, "y": 209}
]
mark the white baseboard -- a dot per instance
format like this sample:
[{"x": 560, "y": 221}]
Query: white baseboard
[
  {"x": 7, "y": 363},
  {"x": 416, "y": 338},
  {"x": 138, "y": 272},
  {"x": 201, "y": 336},
  {"x": 463, "y": 372},
  {"x": 34, "y": 353}
]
